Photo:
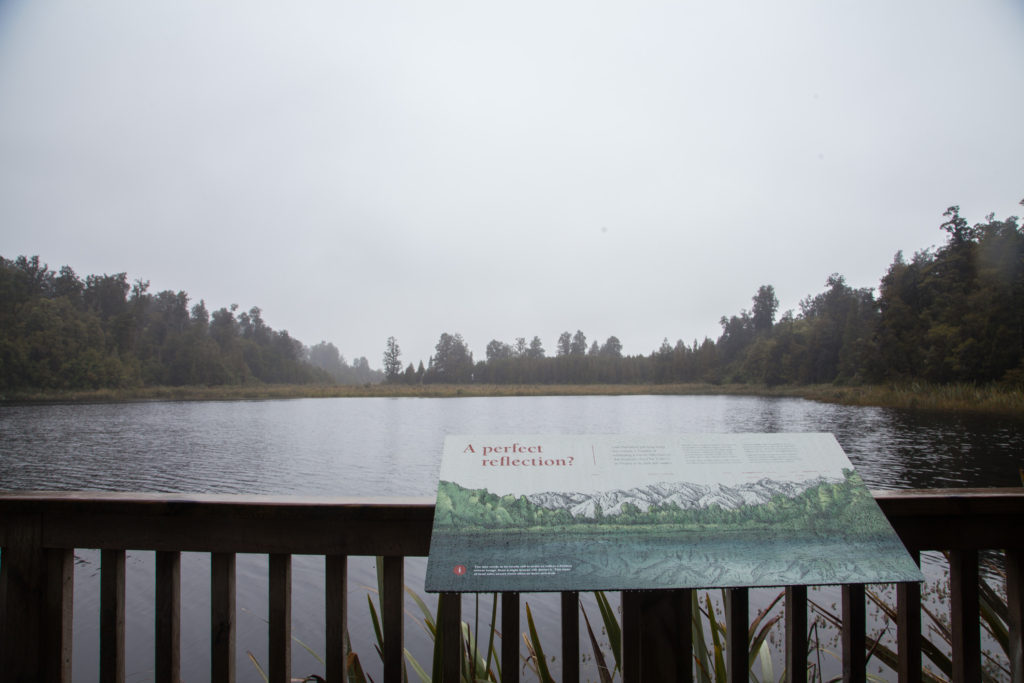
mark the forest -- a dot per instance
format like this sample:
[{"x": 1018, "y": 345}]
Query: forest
[
  {"x": 949, "y": 314},
  {"x": 845, "y": 504},
  {"x": 59, "y": 331}
]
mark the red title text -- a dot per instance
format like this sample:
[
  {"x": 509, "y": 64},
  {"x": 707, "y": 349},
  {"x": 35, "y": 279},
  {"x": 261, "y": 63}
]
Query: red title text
[{"x": 505, "y": 456}]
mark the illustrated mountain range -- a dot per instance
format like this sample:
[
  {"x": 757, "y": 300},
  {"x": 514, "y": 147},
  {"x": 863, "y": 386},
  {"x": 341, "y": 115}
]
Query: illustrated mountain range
[{"x": 686, "y": 495}]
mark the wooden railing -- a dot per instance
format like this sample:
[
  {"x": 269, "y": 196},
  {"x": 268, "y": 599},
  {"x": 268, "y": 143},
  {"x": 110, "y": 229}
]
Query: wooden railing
[{"x": 40, "y": 531}]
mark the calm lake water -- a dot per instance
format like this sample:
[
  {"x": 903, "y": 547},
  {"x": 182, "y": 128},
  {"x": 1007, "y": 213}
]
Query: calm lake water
[{"x": 392, "y": 447}]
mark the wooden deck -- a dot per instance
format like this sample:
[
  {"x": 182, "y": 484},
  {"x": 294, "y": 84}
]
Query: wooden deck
[{"x": 39, "y": 532}]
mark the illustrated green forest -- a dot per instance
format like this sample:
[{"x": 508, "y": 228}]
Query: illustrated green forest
[
  {"x": 846, "y": 504},
  {"x": 949, "y": 314}
]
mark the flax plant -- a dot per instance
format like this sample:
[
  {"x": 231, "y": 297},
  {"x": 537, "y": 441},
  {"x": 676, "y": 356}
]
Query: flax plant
[
  {"x": 994, "y": 613},
  {"x": 477, "y": 666},
  {"x": 480, "y": 662}
]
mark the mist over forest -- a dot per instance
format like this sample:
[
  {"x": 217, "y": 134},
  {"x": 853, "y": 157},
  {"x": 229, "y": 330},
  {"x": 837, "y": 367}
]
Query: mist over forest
[
  {"x": 954, "y": 313},
  {"x": 60, "y": 331},
  {"x": 949, "y": 314}
]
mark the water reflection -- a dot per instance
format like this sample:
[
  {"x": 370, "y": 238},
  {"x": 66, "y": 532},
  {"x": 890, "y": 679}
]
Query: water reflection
[{"x": 392, "y": 446}]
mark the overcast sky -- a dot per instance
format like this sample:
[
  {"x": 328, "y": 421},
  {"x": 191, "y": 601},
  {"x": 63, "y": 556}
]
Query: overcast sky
[{"x": 367, "y": 169}]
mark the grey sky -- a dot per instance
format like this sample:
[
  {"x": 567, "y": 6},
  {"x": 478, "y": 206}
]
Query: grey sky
[{"x": 360, "y": 170}]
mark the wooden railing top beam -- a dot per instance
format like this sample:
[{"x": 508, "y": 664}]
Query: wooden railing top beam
[
  {"x": 955, "y": 519},
  {"x": 925, "y": 519},
  {"x": 210, "y": 523}
]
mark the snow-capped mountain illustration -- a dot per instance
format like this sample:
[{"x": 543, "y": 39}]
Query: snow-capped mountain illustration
[{"x": 686, "y": 495}]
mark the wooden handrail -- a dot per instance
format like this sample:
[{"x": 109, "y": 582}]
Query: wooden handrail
[
  {"x": 209, "y": 523},
  {"x": 40, "y": 530}
]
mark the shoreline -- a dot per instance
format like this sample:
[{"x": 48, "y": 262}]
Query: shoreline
[{"x": 958, "y": 398}]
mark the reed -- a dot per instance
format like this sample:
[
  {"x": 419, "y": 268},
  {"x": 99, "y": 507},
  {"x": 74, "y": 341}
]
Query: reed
[{"x": 947, "y": 398}]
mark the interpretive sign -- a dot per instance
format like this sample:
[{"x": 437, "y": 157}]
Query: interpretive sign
[{"x": 555, "y": 513}]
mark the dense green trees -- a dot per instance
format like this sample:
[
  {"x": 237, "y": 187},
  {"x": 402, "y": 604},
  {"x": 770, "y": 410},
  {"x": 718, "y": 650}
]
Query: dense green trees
[
  {"x": 58, "y": 331},
  {"x": 948, "y": 314},
  {"x": 452, "y": 361},
  {"x": 952, "y": 314},
  {"x": 956, "y": 313}
]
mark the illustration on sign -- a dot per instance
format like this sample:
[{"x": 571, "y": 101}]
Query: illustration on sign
[{"x": 555, "y": 513}]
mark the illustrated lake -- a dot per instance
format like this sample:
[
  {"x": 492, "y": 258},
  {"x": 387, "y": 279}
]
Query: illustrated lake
[
  {"x": 606, "y": 562},
  {"x": 392, "y": 447}
]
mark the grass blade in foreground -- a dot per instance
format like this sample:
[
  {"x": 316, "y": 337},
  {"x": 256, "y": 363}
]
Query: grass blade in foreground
[{"x": 536, "y": 650}]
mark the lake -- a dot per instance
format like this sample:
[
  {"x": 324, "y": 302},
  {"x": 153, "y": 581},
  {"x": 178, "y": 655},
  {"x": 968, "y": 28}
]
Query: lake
[{"x": 392, "y": 447}]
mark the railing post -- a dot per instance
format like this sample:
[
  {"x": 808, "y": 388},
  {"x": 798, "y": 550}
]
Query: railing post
[
  {"x": 112, "y": 576},
  {"x": 666, "y": 639},
  {"x": 222, "y": 617},
  {"x": 908, "y": 628},
  {"x": 796, "y": 634},
  {"x": 336, "y": 597},
  {"x": 60, "y": 600},
  {"x": 510, "y": 638},
  {"x": 853, "y": 634},
  {"x": 24, "y": 600},
  {"x": 392, "y": 615},
  {"x": 570, "y": 637},
  {"x": 964, "y": 610},
  {"x": 737, "y": 623},
  {"x": 449, "y": 607},
  {"x": 168, "y": 617},
  {"x": 682, "y": 602},
  {"x": 280, "y": 655}
]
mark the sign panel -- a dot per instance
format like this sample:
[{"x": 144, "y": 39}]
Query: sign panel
[{"x": 554, "y": 513}]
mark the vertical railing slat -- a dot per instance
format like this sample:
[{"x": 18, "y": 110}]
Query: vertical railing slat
[
  {"x": 168, "y": 617},
  {"x": 854, "y": 634},
  {"x": 393, "y": 616},
  {"x": 684, "y": 604},
  {"x": 964, "y": 611},
  {"x": 24, "y": 599},
  {"x": 510, "y": 637},
  {"x": 336, "y": 610},
  {"x": 450, "y": 609},
  {"x": 908, "y": 628},
  {"x": 222, "y": 617},
  {"x": 796, "y": 634},
  {"x": 737, "y": 623},
  {"x": 112, "y": 578},
  {"x": 1015, "y": 603},
  {"x": 631, "y": 660},
  {"x": 60, "y": 592},
  {"x": 570, "y": 637},
  {"x": 280, "y": 642}
]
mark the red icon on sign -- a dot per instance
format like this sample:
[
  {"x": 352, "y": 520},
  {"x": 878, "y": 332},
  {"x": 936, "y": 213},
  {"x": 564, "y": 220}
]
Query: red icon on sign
[{"x": 459, "y": 569}]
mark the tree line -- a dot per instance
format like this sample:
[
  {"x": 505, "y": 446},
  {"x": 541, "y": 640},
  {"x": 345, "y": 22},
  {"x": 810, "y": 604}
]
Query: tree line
[
  {"x": 949, "y": 314},
  {"x": 59, "y": 331},
  {"x": 845, "y": 504}
]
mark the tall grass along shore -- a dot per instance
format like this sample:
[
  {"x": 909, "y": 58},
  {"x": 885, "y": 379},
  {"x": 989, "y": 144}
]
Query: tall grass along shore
[{"x": 964, "y": 398}]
